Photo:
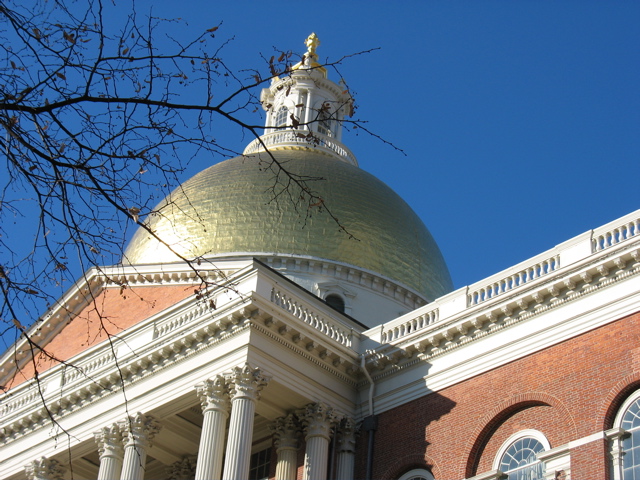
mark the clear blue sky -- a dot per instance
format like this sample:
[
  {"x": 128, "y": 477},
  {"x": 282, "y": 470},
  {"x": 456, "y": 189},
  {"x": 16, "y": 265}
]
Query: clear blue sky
[{"x": 520, "y": 119}]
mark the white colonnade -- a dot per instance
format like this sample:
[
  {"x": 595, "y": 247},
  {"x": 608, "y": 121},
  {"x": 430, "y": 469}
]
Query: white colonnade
[{"x": 231, "y": 398}]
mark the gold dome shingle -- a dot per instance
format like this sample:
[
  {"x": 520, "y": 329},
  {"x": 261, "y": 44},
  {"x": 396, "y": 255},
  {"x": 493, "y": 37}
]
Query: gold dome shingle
[{"x": 229, "y": 208}]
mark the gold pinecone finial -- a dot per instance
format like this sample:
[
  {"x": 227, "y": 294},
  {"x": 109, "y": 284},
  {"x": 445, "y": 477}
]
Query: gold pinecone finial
[{"x": 312, "y": 42}]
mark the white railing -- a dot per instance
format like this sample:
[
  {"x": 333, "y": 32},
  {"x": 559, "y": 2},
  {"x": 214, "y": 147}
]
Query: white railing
[
  {"x": 616, "y": 232},
  {"x": 403, "y": 326},
  {"x": 311, "y": 318},
  {"x": 301, "y": 138},
  {"x": 574, "y": 250},
  {"x": 513, "y": 278}
]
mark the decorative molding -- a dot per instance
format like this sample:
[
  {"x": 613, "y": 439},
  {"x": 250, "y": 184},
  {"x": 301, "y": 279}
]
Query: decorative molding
[{"x": 502, "y": 315}]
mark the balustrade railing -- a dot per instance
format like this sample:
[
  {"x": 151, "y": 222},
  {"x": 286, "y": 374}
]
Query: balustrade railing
[
  {"x": 301, "y": 138},
  {"x": 402, "y": 327},
  {"x": 513, "y": 278},
  {"x": 311, "y": 318},
  {"x": 615, "y": 232}
]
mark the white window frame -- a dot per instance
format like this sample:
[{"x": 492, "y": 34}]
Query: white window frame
[
  {"x": 536, "y": 434},
  {"x": 417, "y": 473},
  {"x": 617, "y": 434},
  {"x": 276, "y": 122}
]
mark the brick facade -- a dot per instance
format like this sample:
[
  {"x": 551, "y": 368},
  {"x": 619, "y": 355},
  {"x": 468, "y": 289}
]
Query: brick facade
[{"x": 567, "y": 391}]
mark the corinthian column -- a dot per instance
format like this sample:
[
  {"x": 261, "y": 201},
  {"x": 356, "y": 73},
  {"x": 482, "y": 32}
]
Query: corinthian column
[
  {"x": 214, "y": 398},
  {"x": 346, "y": 449},
  {"x": 245, "y": 384},
  {"x": 286, "y": 432},
  {"x": 317, "y": 419},
  {"x": 109, "y": 441},
  {"x": 184, "y": 469},
  {"x": 44, "y": 469},
  {"x": 139, "y": 430}
]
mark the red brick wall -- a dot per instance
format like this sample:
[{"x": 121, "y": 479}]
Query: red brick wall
[
  {"x": 590, "y": 461},
  {"x": 564, "y": 391},
  {"x": 109, "y": 313}
]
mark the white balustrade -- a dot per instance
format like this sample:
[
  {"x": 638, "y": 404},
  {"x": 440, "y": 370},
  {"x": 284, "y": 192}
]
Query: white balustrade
[
  {"x": 297, "y": 309},
  {"x": 301, "y": 138},
  {"x": 615, "y": 232},
  {"x": 513, "y": 278},
  {"x": 399, "y": 328}
]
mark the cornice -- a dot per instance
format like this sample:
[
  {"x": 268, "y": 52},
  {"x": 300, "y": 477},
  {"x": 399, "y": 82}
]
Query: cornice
[{"x": 534, "y": 299}]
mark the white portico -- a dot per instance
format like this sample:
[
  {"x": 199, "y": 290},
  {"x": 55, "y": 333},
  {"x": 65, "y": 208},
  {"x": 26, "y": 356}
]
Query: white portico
[{"x": 197, "y": 382}]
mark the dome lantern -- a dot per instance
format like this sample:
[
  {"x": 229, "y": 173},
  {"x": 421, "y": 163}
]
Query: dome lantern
[{"x": 305, "y": 110}]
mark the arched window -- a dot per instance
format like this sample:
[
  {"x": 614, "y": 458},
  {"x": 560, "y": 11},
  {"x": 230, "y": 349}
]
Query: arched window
[
  {"x": 518, "y": 457},
  {"x": 417, "y": 474},
  {"x": 325, "y": 120},
  {"x": 629, "y": 419},
  {"x": 336, "y": 301},
  {"x": 282, "y": 116}
]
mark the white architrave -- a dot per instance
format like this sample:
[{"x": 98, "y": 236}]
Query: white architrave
[
  {"x": 110, "y": 450},
  {"x": 140, "y": 430},
  {"x": 318, "y": 420},
  {"x": 214, "y": 397},
  {"x": 285, "y": 434},
  {"x": 245, "y": 384}
]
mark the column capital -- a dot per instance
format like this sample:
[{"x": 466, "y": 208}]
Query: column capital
[
  {"x": 318, "y": 419},
  {"x": 347, "y": 431},
  {"x": 246, "y": 382},
  {"x": 140, "y": 429},
  {"x": 286, "y": 431},
  {"x": 110, "y": 440},
  {"x": 184, "y": 469},
  {"x": 44, "y": 469},
  {"x": 214, "y": 394}
]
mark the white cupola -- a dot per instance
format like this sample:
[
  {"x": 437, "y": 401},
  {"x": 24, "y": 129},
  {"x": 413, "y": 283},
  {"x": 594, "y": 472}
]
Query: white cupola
[{"x": 305, "y": 109}]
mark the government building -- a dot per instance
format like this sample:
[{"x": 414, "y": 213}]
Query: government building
[{"x": 260, "y": 329}]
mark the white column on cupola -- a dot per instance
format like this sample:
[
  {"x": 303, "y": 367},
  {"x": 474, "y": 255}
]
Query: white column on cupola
[
  {"x": 286, "y": 432},
  {"x": 346, "y": 446},
  {"x": 44, "y": 469},
  {"x": 110, "y": 451},
  {"x": 318, "y": 104},
  {"x": 139, "y": 430},
  {"x": 318, "y": 420},
  {"x": 214, "y": 398},
  {"x": 245, "y": 384}
]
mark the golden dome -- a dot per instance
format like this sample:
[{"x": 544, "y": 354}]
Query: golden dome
[{"x": 229, "y": 209}]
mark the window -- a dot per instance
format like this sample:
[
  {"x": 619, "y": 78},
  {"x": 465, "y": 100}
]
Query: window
[
  {"x": 518, "y": 457},
  {"x": 325, "y": 122},
  {"x": 417, "y": 474},
  {"x": 336, "y": 301},
  {"x": 259, "y": 465},
  {"x": 629, "y": 420},
  {"x": 282, "y": 116}
]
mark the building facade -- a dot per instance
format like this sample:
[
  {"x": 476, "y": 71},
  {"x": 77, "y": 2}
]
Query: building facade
[{"x": 298, "y": 347}]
